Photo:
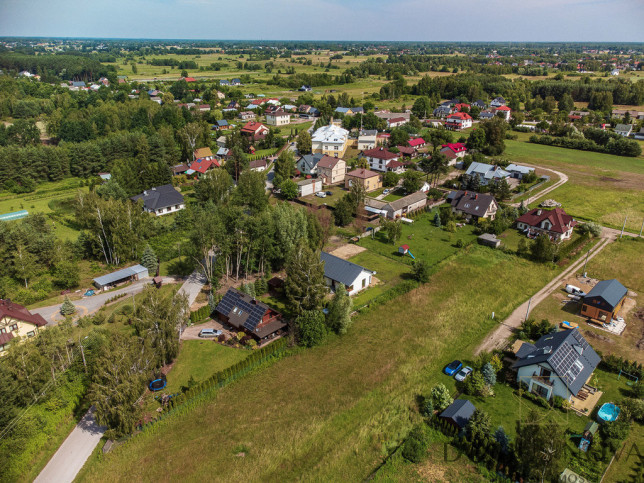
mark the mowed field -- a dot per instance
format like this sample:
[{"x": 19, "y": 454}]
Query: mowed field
[
  {"x": 333, "y": 412},
  {"x": 601, "y": 187}
]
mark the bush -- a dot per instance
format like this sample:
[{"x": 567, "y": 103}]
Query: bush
[
  {"x": 441, "y": 397},
  {"x": 427, "y": 408},
  {"x": 415, "y": 447}
]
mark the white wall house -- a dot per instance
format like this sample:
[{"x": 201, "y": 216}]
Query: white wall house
[
  {"x": 278, "y": 118},
  {"x": 309, "y": 187},
  {"x": 161, "y": 200},
  {"x": 337, "y": 270}
]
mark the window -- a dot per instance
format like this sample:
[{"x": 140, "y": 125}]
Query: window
[
  {"x": 31, "y": 334},
  {"x": 14, "y": 327},
  {"x": 364, "y": 282},
  {"x": 3, "y": 330}
]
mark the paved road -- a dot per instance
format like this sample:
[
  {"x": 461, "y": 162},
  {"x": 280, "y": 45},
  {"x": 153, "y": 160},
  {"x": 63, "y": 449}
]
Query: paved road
[
  {"x": 498, "y": 338},
  {"x": 73, "y": 453},
  {"x": 193, "y": 285}
]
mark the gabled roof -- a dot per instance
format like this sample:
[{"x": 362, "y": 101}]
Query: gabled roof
[
  {"x": 328, "y": 162},
  {"x": 310, "y": 161},
  {"x": 380, "y": 153},
  {"x": 470, "y": 202},
  {"x": 455, "y": 147},
  {"x": 202, "y": 152},
  {"x": 396, "y": 120},
  {"x": 487, "y": 171},
  {"x": 159, "y": 197},
  {"x": 460, "y": 115},
  {"x": 394, "y": 164},
  {"x": 243, "y": 311},
  {"x": 368, "y": 133},
  {"x": 408, "y": 150},
  {"x": 503, "y": 108},
  {"x": 568, "y": 354},
  {"x": 203, "y": 165},
  {"x": 416, "y": 142},
  {"x": 407, "y": 200},
  {"x": 362, "y": 173},
  {"x": 460, "y": 411},
  {"x": 559, "y": 220},
  {"x": 120, "y": 275},
  {"x": 624, "y": 127},
  {"x": 18, "y": 312},
  {"x": 253, "y": 127},
  {"x": 610, "y": 290},
  {"x": 341, "y": 270},
  {"x": 259, "y": 163},
  {"x": 517, "y": 168},
  {"x": 222, "y": 123}
]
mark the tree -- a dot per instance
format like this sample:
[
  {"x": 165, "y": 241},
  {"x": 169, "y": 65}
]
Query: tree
[
  {"x": 66, "y": 274},
  {"x": 476, "y": 141},
  {"x": 539, "y": 446},
  {"x": 343, "y": 213},
  {"x": 390, "y": 179},
  {"x": 284, "y": 167},
  {"x": 214, "y": 186},
  {"x": 437, "y": 220},
  {"x": 489, "y": 375},
  {"x": 149, "y": 259},
  {"x": 305, "y": 288},
  {"x": 422, "y": 107},
  {"x": 68, "y": 307},
  {"x": 501, "y": 437},
  {"x": 503, "y": 190},
  {"x": 416, "y": 444},
  {"x": 310, "y": 327},
  {"x": 111, "y": 189},
  {"x": 251, "y": 190},
  {"x": 288, "y": 188},
  {"x": 392, "y": 229},
  {"x": 494, "y": 136},
  {"x": 420, "y": 270},
  {"x": 339, "y": 316},
  {"x": 566, "y": 103},
  {"x": 398, "y": 137},
  {"x": 304, "y": 142},
  {"x": 25, "y": 264},
  {"x": 542, "y": 249},
  {"x": 440, "y": 397},
  {"x": 411, "y": 181},
  {"x": 478, "y": 427}
]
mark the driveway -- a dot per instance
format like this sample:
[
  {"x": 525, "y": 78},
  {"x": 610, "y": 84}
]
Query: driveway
[
  {"x": 192, "y": 332},
  {"x": 193, "y": 285},
  {"x": 563, "y": 178},
  {"x": 73, "y": 453}
]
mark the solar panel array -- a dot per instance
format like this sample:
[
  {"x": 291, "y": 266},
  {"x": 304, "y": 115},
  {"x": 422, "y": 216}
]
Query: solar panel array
[
  {"x": 255, "y": 314},
  {"x": 562, "y": 361},
  {"x": 231, "y": 301}
]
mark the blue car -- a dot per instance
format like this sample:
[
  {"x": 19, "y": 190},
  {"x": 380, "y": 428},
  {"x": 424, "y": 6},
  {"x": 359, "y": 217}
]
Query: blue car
[{"x": 453, "y": 367}]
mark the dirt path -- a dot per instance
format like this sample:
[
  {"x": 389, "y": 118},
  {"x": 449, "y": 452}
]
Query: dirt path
[
  {"x": 498, "y": 339},
  {"x": 563, "y": 178}
]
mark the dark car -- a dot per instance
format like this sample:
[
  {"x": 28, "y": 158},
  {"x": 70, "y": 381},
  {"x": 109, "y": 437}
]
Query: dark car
[
  {"x": 329, "y": 193},
  {"x": 453, "y": 367}
]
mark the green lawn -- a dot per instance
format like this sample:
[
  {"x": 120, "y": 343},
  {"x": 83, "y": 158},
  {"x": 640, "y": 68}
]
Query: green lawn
[
  {"x": 331, "y": 200},
  {"x": 425, "y": 241},
  {"x": 201, "y": 359},
  {"x": 334, "y": 412},
  {"x": 389, "y": 273}
]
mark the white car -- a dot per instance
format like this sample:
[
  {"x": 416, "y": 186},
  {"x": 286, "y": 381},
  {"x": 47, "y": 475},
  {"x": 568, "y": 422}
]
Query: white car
[
  {"x": 463, "y": 373},
  {"x": 320, "y": 194},
  {"x": 385, "y": 192},
  {"x": 571, "y": 289}
]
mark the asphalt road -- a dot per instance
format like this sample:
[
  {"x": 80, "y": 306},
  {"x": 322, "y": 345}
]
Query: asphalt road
[
  {"x": 73, "y": 453},
  {"x": 193, "y": 285}
]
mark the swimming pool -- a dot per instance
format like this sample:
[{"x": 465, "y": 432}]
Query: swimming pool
[{"x": 608, "y": 412}]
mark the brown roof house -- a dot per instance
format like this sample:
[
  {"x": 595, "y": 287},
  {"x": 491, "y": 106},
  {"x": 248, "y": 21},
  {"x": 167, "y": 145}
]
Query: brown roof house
[
  {"x": 369, "y": 179},
  {"x": 17, "y": 321},
  {"x": 400, "y": 207},
  {"x": 473, "y": 205},
  {"x": 557, "y": 224},
  {"x": 331, "y": 170},
  {"x": 249, "y": 315}
]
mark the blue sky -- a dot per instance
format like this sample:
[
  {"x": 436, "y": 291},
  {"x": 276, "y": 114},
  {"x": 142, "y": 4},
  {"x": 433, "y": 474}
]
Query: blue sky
[{"x": 456, "y": 20}]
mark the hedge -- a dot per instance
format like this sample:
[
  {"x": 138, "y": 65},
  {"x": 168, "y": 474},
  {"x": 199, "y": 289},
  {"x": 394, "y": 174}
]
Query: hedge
[{"x": 200, "y": 314}]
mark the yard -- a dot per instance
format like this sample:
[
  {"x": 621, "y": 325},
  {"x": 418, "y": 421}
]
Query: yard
[
  {"x": 388, "y": 272},
  {"x": 337, "y": 193}
]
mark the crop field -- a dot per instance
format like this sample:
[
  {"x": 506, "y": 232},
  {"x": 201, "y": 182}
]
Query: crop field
[{"x": 333, "y": 412}]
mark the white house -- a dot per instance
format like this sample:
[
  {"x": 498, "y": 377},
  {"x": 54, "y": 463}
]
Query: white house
[
  {"x": 379, "y": 158},
  {"x": 278, "y": 118},
  {"x": 624, "y": 129},
  {"x": 458, "y": 121},
  {"x": 337, "y": 270},
  {"x": 367, "y": 139},
  {"x": 557, "y": 364},
  {"x": 486, "y": 173},
  {"x": 309, "y": 186},
  {"x": 331, "y": 140},
  {"x": 161, "y": 200},
  {"x": 518, "y": 171},
  {"x": 497, "y": 102}
]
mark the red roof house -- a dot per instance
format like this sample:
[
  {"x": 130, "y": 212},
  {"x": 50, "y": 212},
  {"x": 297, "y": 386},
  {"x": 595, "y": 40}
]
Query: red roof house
[
  {"x": 190, "y": 79},
  {"x": 459, "y": 107},
  {"x": 555, "y": 223},
  {"x": 458, "y": 120},
  {"x": 416, "y": 143},
  {"x": 457, "y": 149},
  {"x": 256, "y": 130},
  {"x": 202, "y": 165}
]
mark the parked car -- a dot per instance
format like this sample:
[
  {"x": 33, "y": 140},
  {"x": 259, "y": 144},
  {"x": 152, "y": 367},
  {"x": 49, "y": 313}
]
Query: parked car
[
  {"x": 386, "y": 192},
  {"x": 453, "y": 367},
  {"x": 209, "y": 333},
  {"x": 463, "y": 373},
  {"x": 329, "y": 193},
  {"x": 320, "y": 194},
  {"x": 575, "y": 290}
]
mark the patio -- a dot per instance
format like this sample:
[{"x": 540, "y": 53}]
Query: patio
[{"x": 585, "y": 405}]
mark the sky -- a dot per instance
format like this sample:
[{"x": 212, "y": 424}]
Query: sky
[{"x": 385, "y": 20}]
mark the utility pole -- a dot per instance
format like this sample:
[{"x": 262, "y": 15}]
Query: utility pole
[
  {"x": 587, "y": 254},
  {"x": 527, "y": 312},
  {"x": 623, "y": 226},
  {"x": 641, "y": 228}
]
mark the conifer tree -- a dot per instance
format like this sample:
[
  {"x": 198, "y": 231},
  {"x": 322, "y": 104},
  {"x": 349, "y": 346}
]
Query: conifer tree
[
  {"x": 68, "y": 307},
  {"x": 149, "y": 259}
]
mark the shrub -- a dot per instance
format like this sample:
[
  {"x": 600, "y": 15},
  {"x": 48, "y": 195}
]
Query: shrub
[
  {"x": 441, "y": 397},
  {"x": 557, "y": 402},
  {"x": 460, "y": 243},
  {"x": 489, "y": 375},
  {"x": 427, "y": 408},
  {"x": 415, "y": 447},
  {"x": 222, "y": 338}
]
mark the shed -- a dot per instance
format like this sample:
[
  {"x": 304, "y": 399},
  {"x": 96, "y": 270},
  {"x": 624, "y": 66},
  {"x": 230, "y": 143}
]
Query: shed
[
  {"x": 459, "y": 413},
  {"x": 489, "y": 240},
  {"x": 604, "y": 301},
  {"x": 135, "y": 272}
]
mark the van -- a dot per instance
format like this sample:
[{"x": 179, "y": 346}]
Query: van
[
  {"x": 209, "y": 333},
  {"x": 575, "y": 290}
]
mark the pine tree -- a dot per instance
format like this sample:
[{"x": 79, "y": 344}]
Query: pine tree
[
  {"x": 489, "y": 374},
  {"x": 68, "y": 307},
  {"x": 339, "y": 318},
  {"x": 437, "y": 220},
  {"x": 149, "y": 259}
]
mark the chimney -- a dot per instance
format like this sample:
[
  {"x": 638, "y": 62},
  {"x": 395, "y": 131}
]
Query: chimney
[
  {"x": 476, "y": 197},
  {"x": 465, "y": 193},
  {"x": 538, "y": 212}
]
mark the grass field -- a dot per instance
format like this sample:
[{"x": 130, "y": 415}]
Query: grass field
[
  {"x": 601, "y": 187},
  {"x": 333, "y": 412},
  {"x": 389, "y": 272}
]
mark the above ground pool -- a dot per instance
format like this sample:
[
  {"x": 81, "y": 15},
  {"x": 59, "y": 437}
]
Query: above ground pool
[
  {"x": 157, "y": 384},
  {"x": 608, "y": 412}
]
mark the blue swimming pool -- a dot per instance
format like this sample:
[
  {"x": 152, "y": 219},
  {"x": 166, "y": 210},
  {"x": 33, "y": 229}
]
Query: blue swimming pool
[{"x": 608, "y": 412}]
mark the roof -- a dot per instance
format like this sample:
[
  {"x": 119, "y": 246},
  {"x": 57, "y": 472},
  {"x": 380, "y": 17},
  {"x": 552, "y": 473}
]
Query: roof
[
  {"x": 6, "y": 337},
  {"x": 380, "y": 153},
  {"x": 559, "y": 220},
  {"x": 160, "y": 197},
  {"x": 328, "y": 162},
  {"x": 416, "y": 142},
  {"x": 120, "y": 275},
  {"x": 368, "y": 133},
  {"x": 312, "y": 181},
  {"x": 460, "y": 411},
  {"x": 394, "y": 164},
  {"x": 487, "y": 171},
  {"x": 517, "y": 168},
  {"x": 253, "y": 127},
  {"x": 259, "y": 163},
  {"x": 470, "y": 202},
  {"x": 330, "y": 134},
  {"x": 459, "y": 115},
  {"x": 203, "y": 165},
  {"x": 310, "y": 161},
  {"x": 610, "y": 290},
  {"x": 503, "y": 108},
  {"x": 362, "y": 173},
  {"x": 624, "y": 127},
  {"x": 408, "y": 150},
  {"x": 243, "y": 311},
  {"x": 568, "y": 354},
  {"x": 202, "y": 152},
  {"x": 396, "y": 119},
  {"x": 456, "y": 147},
  {"x": 180, "y": 168},
  {"x": 341, "y": 270},
  {"x": 222, "y": 122},
  {"x": 407, "y": 200},
  {"x": 278, "y": 113},
  {"x": 19, "y": 312}
]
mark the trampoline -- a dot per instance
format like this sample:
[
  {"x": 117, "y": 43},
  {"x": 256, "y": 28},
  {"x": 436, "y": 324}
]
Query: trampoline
[
  {"x": 157, "y": 384},
  {"x": 608, "y": 412}
]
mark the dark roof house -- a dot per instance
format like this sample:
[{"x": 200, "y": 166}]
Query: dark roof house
[
  {"x": 248, "y": 314},
  {"x": 605, "y": 300},
  {"x": 338, "y": 270},
  {"x": 459, "y": 412},
  {"x": 161, "y": 199},
  {"x": 472, "y": 204}
]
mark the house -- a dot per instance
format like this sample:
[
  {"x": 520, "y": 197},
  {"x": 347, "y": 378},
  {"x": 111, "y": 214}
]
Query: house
[
  {"x": 235, "y": 82},
  {"x": 222, "y": 125},
  {"x": 202, "y": 165},
  {"x": 233, "y": 105},
  {"x": 379, "y": 158},
  {"x": 258, "y": 165},
  {"x": 454, "y": 150},
  {"x": 396, "y": 122},
  {"x": 221, "y": 141},
  {"x": 271, "y": 109},
  {"x": 489, "y": 240},
  {"x": 367, "y": 139},
  {"x": 309, "y": 187},
  {"x": 304, "y": 109},
  {"x": 473, "y": 205},
  {"x": 370, "y": 180},
  {"x": 17, "y": 321},
  {"x": 278, "y": 118},
  {"x": 203, "y": 153},
  {"x": 604, "y": 301},
  {"x": 249, "y": 315},
  {"x": 331, "y": 170},
  {"x": 577, "y": 115},
  {"x": 497, "y": 102},
  {"x": 631, "y": 112},
  {"x": 77, "y": 84},
  {"x": 308, "y": 163},
  {"x": 331, "y": 140},
  {"x": 344, "y": 110},
  {"x": 224, "y": 82},
  {"x": 639, "y": 135},
  {"x": 624, "y": 129},
  {"x": 180, "y": 169},
  {"x": 386, "y": 115},
  {"x": 400, "y": 207},
  {"x": 461, "y": 107},
  {"x": 222, "y": 153},
  {"x": 247, "y": 115},
  {"x": 614, "y": 72},
  {"x": 305, "y": 88},
  {"x": 556, "y": 223},
  {"x": 416, "y": 143},
  {"x": 505, "y": 112},
  {"x": 190, "y": 79},
  {"x": 518, "y": 171},
  {"x": 161, "y": 200},
  {"x": 480, "y": 104},
  {"x": 458, "y": 121},
  {"x": 254, "y": 130},
  {"x": 203, "y": 107},
  {"x": 337, "y": 270},
  {"x": 486, "y": 173},
  {"x": 442, "y": 111},
  {"x": 458, "y": 413},
  {"x": 129, "y": 274},
  {"x": 407, "y": 151},
  {"x": 289, "y": 108},
  {"x": 557, "y": 364},
  {"x": 105, "y": 176},
  {"x": 485, "y": 115}
]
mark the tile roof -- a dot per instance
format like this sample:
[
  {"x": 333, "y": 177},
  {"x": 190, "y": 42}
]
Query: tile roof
[
  {"x": 407, "y": 200},
  {"x": 380, "y": 153},
  {"x": 456, "y": 147},
  {"x": 487, "y": 171},
  {"x": 416, "y": 142},
  {"x": 559, "y": 220},
  {"x": 202, "y": 152},
  {"x": 310, "y": 161},
  {"x": 362, "y": 173},
  {"x": 16, "y": 311},
  {"x": 341, "y": 270},
  {"x": 253, "y": 127},
  {"x": 470, "y": 202},
  {"x": 328, "y": 162},
  {"x": 460, "y": 411},
  {"x": 460, "y": 115},
  {"x": 160, "y": 197}
]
